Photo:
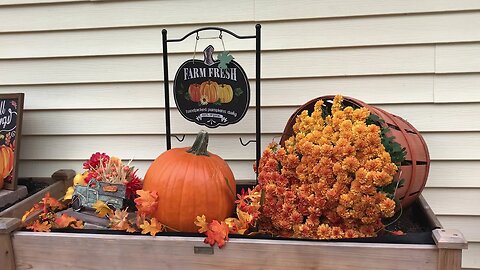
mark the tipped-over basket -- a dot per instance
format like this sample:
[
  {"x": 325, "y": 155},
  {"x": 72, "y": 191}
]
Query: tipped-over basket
[{"x": 414, "y": 170}]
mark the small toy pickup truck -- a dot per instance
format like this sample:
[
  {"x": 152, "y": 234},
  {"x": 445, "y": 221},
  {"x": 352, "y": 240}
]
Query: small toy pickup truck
[{"x": 85, "y": 196}]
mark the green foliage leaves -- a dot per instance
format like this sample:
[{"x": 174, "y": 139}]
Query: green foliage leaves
[
  {"x": 396, "y": 151},
  {"x": 238, "y": 91},
  {"x": 225, "y": 58}
]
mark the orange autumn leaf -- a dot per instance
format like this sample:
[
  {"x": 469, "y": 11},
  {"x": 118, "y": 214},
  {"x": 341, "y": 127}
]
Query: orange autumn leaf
[
  {"x": 38, "y": 226},
  {"x": 68, "y": 221},
  {"x": 48, "y": 204},
  {"x": 64, "y": 221},
  {"x": 119, "y": 221},
  {"x": 34, "y": 208},
  {"x": 51, "y": 202},
  {"x": 232, "y": 224},
  {"x": 398, "y": 233},
  {"x": 202, "y": 223},
  {"x": 152, "y": 227},
  {"x": 77, "y": 224},
  {"x": 217, "y": 233},
  {"x": 146, "y": 202},
  {"x": 102, "y": 209}
]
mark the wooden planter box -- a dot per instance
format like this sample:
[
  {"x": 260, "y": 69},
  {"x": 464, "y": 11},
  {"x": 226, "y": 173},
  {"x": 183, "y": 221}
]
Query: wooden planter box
[{"x": 57, "y": 250}]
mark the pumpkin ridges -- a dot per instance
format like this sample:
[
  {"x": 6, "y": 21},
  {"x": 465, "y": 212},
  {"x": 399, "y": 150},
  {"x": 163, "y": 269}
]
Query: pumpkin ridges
[
  {"x": 172, "y": 188},
  {"x": 217, "y": 189},
  {"x": 189, "y": 185},
  {"x": 7, "y": 156},
  {"x": 209, "y": 89},
  {"x": 190, "y": 176},
  {"x": 2, "y": 167}
]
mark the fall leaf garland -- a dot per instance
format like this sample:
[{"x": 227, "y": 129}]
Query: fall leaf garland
[{"x": 47, "y": 219}]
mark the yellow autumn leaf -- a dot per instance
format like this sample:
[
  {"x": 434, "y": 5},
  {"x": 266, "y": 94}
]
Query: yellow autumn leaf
[
  {"x": 152, "y": 227},
  {"x": 202, "y": 223},
  {"x": 102, "y": 209},
  {"x": 119, "y": 221},
  {"x": 68, "y": 194},
  {"x": 79, "y": 179}
]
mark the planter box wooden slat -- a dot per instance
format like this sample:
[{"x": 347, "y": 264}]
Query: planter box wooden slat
[{"x": 171, "y": 252}]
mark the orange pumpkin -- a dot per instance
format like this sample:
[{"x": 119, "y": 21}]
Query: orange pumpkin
[
  {"x": 209, "y": 90},
  {"x": 191, "y": 182},
  {"x": 194, "y": 92},
  {"x": 6, "y": 162},
  {"x": 225, "y": 93}
]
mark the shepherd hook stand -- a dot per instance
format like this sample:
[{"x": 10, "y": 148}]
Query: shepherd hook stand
[{"x": 257, "y": 80}]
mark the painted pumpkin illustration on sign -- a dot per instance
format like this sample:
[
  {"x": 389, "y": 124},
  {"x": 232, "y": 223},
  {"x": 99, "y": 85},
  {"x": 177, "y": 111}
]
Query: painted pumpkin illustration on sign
[
  {"x": 208, "y": 90},
  {"x": 6, "y": 162},
  {"x": 225, "y": 93},
  {"x": 194, "y": 92}
]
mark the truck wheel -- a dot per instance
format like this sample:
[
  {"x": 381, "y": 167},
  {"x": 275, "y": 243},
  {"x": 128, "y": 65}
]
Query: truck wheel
[
  {"x": 76, "y": 203},
  {"x": 111, "y": 205}
]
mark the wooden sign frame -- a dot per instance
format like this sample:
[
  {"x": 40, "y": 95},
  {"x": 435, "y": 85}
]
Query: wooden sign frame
[{"x": 5, "y": 108}]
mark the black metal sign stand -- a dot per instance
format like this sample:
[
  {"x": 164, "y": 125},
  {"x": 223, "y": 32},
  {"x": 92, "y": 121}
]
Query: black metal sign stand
[{"x": 165, "y": 41}]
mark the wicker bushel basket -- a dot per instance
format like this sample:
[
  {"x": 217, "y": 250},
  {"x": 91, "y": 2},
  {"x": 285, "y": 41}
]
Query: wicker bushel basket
[{"x": 414, "y": 170}]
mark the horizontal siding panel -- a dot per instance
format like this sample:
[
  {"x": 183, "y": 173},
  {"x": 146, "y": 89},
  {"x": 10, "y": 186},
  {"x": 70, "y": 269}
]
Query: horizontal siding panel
[
  {"x": 437, "y": 117},
  {"x": 226, "y": 145},
  {"x": 453, "y": 146},
  {"x": 118, "y": 41},
  {"x": 243, "y": 170},
  {"x": 271, "y": 10},
  {"x": 454, "y": 174},
  {"x": 141, "y": 147},
  {"x": 415, "y": 29},
  {"x": 26, "y": 2},
  {"x": 456, "y": 58},
  {"x": 457, "y": 88},
  {"x": 470, "y": 258},
  {"x": 96, "y": 14},
  {"x": 294, "y": 92},
  {"x": 468, "y": 225},
  {"x": 85, "y": 14},
  {"x": 147, "y": 121},
  {"x": 306, "y": 63},
  {"x": 459, "y": 201},
  {"x": 370, "y": 89},
  {"x": 151, "y": 121}
]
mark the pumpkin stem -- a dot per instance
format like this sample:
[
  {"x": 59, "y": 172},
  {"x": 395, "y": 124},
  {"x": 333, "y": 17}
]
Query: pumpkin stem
[{"x": 200, "y": 145}]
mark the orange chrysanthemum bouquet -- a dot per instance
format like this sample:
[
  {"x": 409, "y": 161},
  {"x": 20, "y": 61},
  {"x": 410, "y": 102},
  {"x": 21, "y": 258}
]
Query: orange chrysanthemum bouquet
[{"x": 328, "y": 180}]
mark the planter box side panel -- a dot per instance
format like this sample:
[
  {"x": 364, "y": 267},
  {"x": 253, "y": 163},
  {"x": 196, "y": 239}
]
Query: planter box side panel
[{"x": 66, "y": 250}]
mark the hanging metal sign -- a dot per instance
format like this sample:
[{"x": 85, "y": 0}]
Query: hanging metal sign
[{"x": 212, "y": 92}]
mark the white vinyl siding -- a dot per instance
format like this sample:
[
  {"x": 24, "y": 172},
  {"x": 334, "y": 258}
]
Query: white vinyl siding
[{"x": 93, "y": 78}]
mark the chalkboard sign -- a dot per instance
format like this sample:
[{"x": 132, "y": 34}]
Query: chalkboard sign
[
  {"x": 11, "y": 108},
  {"x": 211, "y": 92}
]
